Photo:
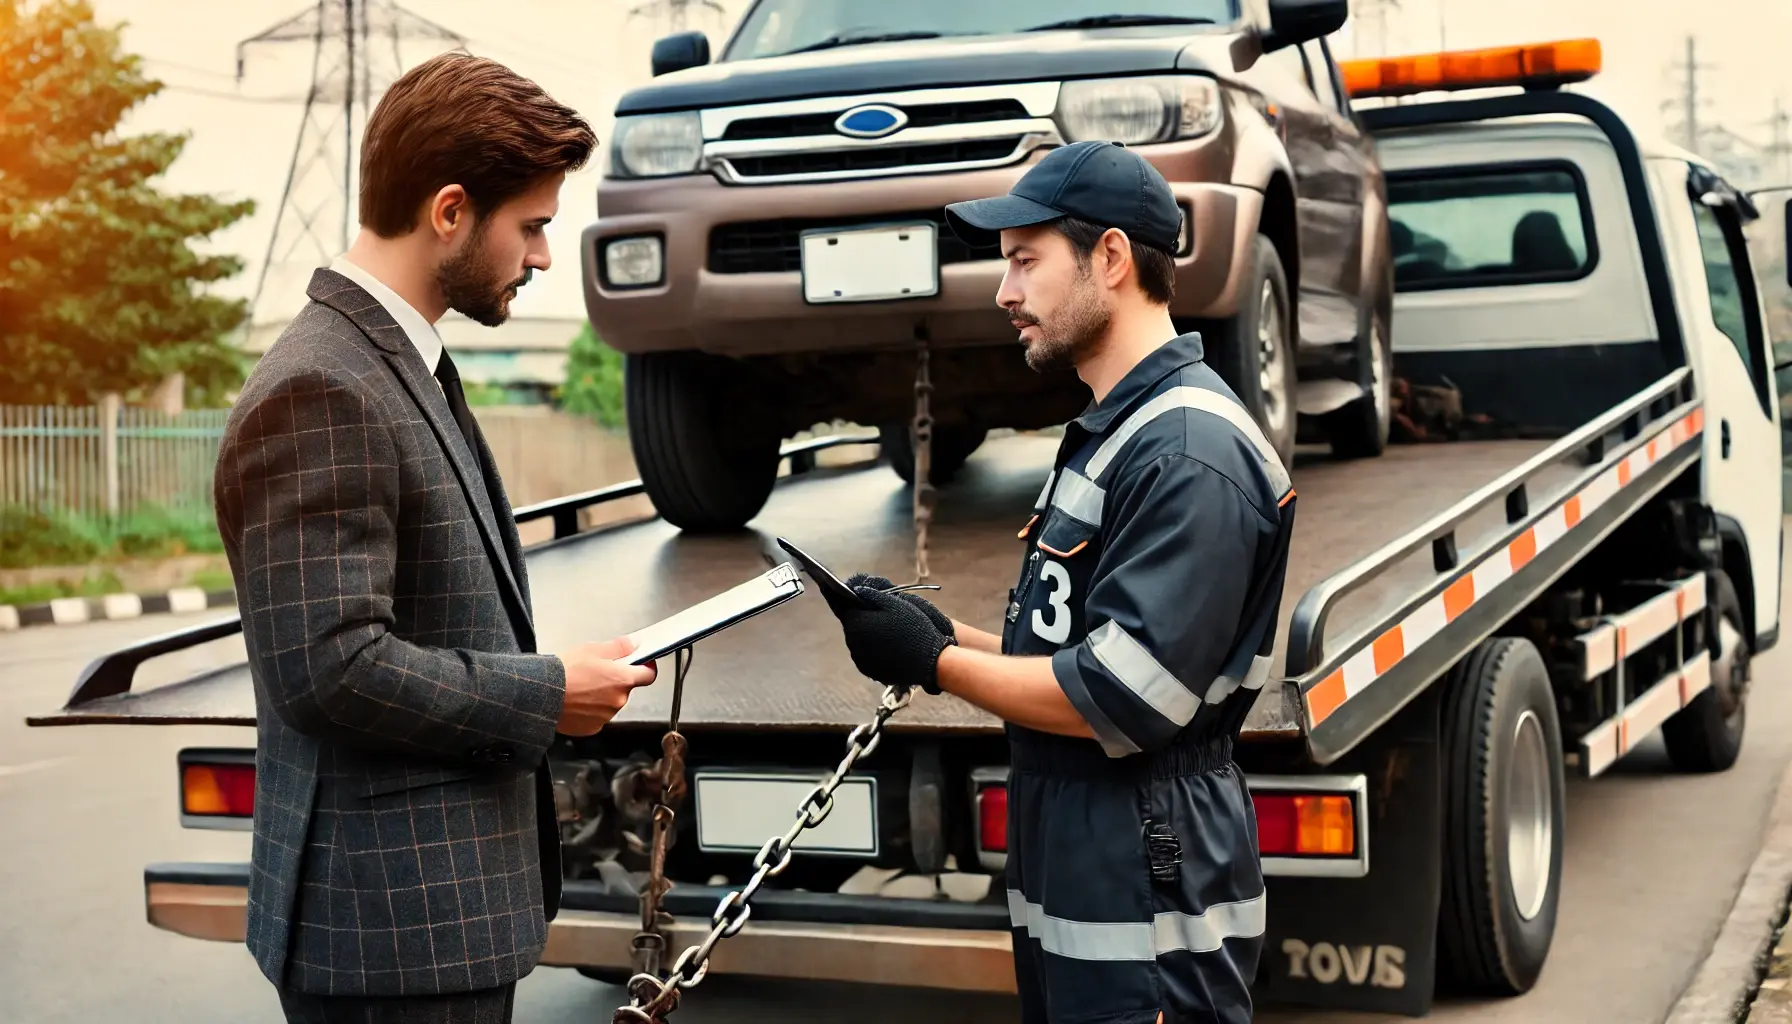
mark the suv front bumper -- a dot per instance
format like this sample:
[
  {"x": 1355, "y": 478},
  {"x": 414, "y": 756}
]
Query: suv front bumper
[{"x": 756, "y": 313}]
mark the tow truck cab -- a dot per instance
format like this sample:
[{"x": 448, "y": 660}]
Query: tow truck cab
[{"x": 1587, "y": 553}]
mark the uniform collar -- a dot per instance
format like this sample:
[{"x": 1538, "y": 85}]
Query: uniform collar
[{"x": 1169, "y": 357}]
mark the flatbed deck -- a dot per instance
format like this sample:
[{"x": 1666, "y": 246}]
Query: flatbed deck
[{"x": 788, "y": 669}]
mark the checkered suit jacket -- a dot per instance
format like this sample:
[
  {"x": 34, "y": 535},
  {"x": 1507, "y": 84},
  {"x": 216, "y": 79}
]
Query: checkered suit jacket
[{"x": 404, "y": 840}]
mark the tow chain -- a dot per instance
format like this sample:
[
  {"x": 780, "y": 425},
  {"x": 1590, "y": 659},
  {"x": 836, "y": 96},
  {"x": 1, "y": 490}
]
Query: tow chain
[
  {"x": 923, "y": 453},
  {"x": 648, "y": 949},
  {"x": 653, "y": 997}
]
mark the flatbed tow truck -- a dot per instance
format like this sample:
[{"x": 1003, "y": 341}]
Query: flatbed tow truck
[{"x": 1467, "y": 621}]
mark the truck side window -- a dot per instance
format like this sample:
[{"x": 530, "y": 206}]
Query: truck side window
[{"x": 1735, "y": 306}]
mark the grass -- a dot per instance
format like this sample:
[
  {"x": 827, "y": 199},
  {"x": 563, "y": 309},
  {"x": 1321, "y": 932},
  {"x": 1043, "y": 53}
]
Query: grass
[
  {"x": 38, "y": 593},
  {"x": 32, "y": 538},
  {"x": 210, "y": 580}
]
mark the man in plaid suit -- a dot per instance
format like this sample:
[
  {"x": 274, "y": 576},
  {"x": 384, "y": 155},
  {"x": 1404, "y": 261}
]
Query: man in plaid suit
[{"x": 406, "y": 857}]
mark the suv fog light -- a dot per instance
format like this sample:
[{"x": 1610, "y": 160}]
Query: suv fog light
[{"x": 634, "y": 262}]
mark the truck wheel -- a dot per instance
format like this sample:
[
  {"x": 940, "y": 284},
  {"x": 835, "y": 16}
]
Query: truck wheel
[
  {"x": 1253, "y": 352},
  {"x": 1706, "y": 734},
  {"x": 1360, "y": 429},
  {"x": 706, "y": 455},
  {"x": 952, "y": 445},
  {"x": 1502, "y": 794}
]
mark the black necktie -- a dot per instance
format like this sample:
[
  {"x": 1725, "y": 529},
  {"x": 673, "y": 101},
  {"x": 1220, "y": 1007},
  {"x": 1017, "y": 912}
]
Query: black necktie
[
  {"x": 469, "y": 429},
  {"x": 457, "y": 404}
]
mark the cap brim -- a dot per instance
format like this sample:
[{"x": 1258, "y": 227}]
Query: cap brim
[{"x": 980, "y": 222}]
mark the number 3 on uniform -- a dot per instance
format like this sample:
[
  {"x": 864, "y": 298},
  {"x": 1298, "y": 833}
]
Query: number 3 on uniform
[{"x": 1058, "y": 629}]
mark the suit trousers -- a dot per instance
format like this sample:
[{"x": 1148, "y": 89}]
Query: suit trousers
[{"x": 486, "y": 1006}]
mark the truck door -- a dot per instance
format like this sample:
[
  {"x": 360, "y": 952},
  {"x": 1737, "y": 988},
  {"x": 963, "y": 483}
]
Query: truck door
[
  {"x": 1727, "y": 339},
  {"x": 1770, "y": 244}
]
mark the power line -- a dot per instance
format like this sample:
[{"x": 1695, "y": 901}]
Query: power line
[
  {"x": 284, "y": 101},
  {"x": 354, "y": 58}
]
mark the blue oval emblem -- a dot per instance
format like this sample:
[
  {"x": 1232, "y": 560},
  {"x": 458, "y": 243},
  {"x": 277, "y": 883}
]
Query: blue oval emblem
[{"x": 870, "y": 122}]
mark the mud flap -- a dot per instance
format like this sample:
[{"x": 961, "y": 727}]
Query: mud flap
[{"x": 1369, "y": 943}]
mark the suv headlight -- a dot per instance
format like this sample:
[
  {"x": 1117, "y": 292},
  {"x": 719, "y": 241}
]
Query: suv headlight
[
  {"x": 652, "y": 145},
  {"x": 1138, "y": 110}
]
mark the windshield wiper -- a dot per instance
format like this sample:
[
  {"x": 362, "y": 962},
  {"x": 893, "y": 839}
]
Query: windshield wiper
[
  {"x": 848, "y": 39},
  {"x": 1119, "y": 20}
]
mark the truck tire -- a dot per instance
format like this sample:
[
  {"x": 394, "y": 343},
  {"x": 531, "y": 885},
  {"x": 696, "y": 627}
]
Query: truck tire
[
  {"x": 1253, "y": 351},
  {"x": 707, "y": 456},
  {"x": 952, "y": 445},
  {"x": 1706, "y": 734},
  {"x": 1502, "y": 797},
  {"x": 1360, "y": 429}
]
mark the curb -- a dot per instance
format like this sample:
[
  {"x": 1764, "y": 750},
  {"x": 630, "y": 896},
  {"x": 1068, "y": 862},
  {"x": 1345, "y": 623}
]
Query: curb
[
  {"x": 69, "y": 611},
  {"x": 1726, "y": 983}
]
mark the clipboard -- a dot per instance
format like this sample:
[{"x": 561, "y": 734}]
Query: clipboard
[
  {"x": 833, "y": 589},
  {"x": 711, "y": 616}
]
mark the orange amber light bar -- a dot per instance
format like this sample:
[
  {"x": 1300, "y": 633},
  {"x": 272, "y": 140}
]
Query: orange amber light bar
[{"x": 1536, "y": 65}]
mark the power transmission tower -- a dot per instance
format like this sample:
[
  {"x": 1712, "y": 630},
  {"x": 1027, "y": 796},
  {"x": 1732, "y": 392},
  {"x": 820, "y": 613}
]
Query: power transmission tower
[
  {"x": 675, "y": 11},
  {"x": 1371, "y": 13},
  {"x": 1778, "y": 151},
  {"x": 1689, "y": 128},
  {"x": 354, "y": 58}
]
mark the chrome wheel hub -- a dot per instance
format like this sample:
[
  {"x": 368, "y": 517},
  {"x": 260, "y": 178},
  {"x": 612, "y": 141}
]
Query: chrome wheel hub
[{"x": 1530, "y": 820}]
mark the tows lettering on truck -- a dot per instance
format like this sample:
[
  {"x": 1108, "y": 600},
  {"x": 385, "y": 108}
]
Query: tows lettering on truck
[{"x": 1590, "y": 559}]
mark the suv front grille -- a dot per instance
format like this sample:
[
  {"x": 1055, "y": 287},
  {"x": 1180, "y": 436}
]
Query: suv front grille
[
  {"x": 772, "y": 246},
  {"x": 926, "y": 115},
  {"x": 880, "y": 158}
]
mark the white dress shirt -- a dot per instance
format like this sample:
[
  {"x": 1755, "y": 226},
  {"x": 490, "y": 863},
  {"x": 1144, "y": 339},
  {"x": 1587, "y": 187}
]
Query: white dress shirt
[{"x": 421, "y": 332}]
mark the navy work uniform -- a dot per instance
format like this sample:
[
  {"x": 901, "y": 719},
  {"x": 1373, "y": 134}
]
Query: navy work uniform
[{"x": 1152, "y": 576}]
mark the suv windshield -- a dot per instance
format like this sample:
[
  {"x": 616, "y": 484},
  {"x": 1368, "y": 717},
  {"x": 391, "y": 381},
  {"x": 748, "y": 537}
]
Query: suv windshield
[{"x": 775, "y": 27}]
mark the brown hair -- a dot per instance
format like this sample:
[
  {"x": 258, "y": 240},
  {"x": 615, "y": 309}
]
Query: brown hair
[
  {"x": 1157, "y": 268},
  {"x": 466, "y": 120}
]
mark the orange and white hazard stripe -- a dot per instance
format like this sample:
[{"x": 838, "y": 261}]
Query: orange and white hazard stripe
[{"x": 1362, "y": 669}]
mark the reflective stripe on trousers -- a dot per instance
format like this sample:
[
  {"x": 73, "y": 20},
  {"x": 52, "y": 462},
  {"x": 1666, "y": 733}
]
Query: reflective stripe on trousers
[{"x": 1165, "y": 933}]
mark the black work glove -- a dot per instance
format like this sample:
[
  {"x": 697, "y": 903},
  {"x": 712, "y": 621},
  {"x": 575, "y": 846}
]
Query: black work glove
[
  {"x": 893, "y": 641},
  {"x": 941, "y": 621}
]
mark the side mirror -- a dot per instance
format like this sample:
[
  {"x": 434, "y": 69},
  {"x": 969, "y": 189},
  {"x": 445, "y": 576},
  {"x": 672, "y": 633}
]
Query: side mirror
[
  {"x": 679, "y": 52},
  {"x": 1292, "y": 22}
]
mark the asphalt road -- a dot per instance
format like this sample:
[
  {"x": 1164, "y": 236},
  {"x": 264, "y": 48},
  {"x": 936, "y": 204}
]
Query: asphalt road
[{"x": 1654, "y": 861}]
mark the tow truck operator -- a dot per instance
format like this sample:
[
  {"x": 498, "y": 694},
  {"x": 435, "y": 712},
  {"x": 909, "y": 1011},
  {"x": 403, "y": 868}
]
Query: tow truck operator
[{"x": 1141, "y": 628}]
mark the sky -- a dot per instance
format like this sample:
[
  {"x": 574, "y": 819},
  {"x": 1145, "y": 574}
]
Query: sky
[{"x": 587, "y": 53}]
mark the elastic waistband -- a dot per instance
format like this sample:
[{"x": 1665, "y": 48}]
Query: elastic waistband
[{"x": 1046, "y": 754}]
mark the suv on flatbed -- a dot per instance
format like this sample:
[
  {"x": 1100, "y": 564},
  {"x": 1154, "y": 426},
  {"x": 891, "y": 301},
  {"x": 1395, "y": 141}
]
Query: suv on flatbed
[{"x": 772, "y": 253}]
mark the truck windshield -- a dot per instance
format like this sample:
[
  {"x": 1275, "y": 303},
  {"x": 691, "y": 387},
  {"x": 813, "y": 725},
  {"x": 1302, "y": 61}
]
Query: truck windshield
[
  {"x": 1488, "y": 226},
  {"x": 775, "y": 27}
]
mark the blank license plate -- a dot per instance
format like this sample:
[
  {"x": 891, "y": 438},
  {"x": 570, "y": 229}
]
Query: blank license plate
[
  {"x": 870, "y": 264},
  {"x": 739, "y": 811}
]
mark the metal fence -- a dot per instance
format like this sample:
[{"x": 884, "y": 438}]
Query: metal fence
[{"x": 107, "y": 459}]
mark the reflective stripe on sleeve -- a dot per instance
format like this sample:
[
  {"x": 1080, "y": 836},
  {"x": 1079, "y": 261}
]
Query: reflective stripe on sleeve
[
  {"x": 1167, "y": 932},
  {"x": 1135, "y": 668}
]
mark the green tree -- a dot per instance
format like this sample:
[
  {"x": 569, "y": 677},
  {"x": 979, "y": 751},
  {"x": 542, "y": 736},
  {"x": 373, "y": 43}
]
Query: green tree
[
  {"x": 100, "y": 289},
  {"x": 594, "y": 381}
]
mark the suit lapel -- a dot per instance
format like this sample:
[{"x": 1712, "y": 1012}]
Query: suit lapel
[{"x": 349, "y": 299}]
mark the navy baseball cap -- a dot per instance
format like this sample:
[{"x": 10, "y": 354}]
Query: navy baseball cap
[{"x": 1103, "y": 183}]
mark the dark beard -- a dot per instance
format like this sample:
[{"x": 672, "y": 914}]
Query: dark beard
[
  {"x": 472, "y": 286},
  {"x": 1073, "y": 331}
]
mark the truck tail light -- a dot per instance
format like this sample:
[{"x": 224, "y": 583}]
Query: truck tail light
[
  {"x": 217, "y": 788},
  {"x": 992, "y": 819},
  {"x": 1305, "y": 824}
]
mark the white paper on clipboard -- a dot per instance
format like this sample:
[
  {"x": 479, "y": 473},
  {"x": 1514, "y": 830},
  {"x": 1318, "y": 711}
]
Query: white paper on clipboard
[{"x": 715, "y": 614}]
